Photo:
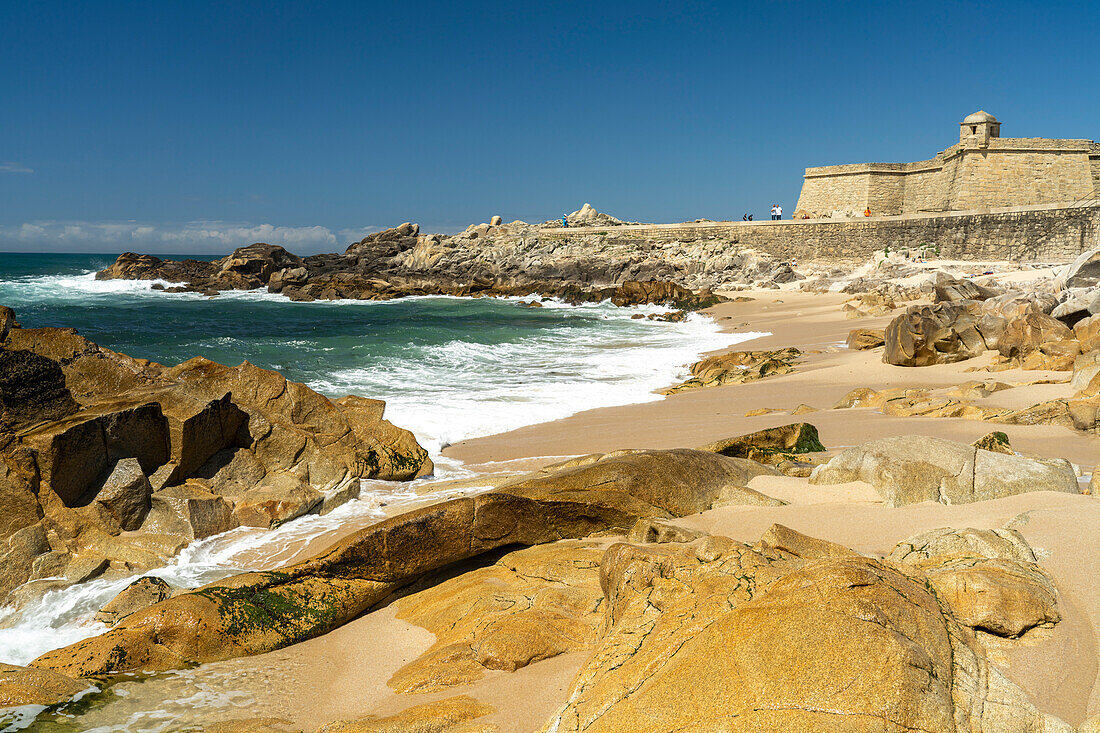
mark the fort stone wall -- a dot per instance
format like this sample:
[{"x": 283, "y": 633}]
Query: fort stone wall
[
  {"x": 981, "y": 171},
  {"x": 1034, "y": 234}
]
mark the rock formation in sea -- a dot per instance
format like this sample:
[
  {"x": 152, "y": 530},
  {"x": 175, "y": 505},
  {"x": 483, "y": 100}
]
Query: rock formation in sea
[{"x": 111, "y": 464}]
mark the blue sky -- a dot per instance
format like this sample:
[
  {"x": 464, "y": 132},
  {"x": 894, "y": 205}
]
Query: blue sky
[{"x": 192, "y": 126}]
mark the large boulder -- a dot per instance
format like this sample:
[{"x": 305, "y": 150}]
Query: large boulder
[
  {"x": 126, "y": 493},
  {"x": 258, "y": 612},
  {"x": 943, "y": 333},
  {"x": 254, "y": 264},
  {"x": 913, "y": 468},
  {"x": 989, "y": 579},
  {"x": 716, "y": 633},
  {"x": 1033, "y": 332},
  {"x": 1082, "y": 272}
]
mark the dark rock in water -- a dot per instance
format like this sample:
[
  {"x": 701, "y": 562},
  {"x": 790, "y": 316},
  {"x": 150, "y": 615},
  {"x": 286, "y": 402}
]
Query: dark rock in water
[{"x": 140, "y": 594}]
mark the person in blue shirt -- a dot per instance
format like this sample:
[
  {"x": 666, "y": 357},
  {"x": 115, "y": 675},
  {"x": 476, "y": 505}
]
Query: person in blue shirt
[{"x": 564, "y": 222}]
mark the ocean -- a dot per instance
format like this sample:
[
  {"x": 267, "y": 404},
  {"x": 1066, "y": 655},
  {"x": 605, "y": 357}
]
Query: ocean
[{"x": 448, "y": 369}]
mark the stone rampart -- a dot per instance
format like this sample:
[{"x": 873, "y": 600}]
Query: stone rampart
[{"x": 1044, "y": 234}]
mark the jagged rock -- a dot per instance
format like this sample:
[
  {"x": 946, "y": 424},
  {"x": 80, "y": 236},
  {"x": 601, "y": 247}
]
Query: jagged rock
[
  {"x": 861, "y": 339},
  {"x": 257, "y": 612},
  {"x": 938, "y": 334},
  {"x": 771, "y": 445},
  {"x": 1082, "y": 272},
  {"x": 140, "y": 594},
  {"x": 126, "y": 493},
  {"x": 32, "y": 686},
  {"x": 736, "y": 367},
  {"x": 1034, "y": 332},
  {"x": 657, "y": 292},
  {"x": 189, "y": 511},
  {"x": 952, "y": 290},
  {"x": 910, "y": 469},
  {"x": 1087, "y": 333},
  {"x": 988, "y": 578},
  {"x": 32, "y": 390},
  {"x": 996, "y": 442},
  {"x": 451, "y": 715}
]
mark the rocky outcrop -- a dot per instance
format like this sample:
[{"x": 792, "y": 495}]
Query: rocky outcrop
[
  {"x": 862, "y": 339},
  {"x": 715, "y": 632},
  {"x": 938, "y": 334},
  {"x": 771, "y": 446},
  {"x": 142, "y": 593},
  {"x": 513, "y": 259},
  {"x": 911, "y": 469},
  {"x": 257, "y": 612},
  {"x": 737, "y": 367},
  {"x": 989, "y": 579},
  {"x": 118, "y": 461}
]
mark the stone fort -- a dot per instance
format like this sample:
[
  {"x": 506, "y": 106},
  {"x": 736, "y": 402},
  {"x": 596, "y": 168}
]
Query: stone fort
[{"x": 982, "y": 171}]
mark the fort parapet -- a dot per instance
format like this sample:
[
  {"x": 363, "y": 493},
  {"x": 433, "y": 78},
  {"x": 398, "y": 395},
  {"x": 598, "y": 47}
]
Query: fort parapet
[
  {"x": 981, "y": 171},
  {"x": 1045, "y": 233}
]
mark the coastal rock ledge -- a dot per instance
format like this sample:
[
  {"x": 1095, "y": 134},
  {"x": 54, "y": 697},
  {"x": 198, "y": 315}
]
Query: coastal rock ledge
[{"x": 112, "y": 464}]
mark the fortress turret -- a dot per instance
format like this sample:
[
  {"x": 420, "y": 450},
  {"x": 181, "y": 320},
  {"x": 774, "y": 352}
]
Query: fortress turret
[{"x": 978, "y": 128}]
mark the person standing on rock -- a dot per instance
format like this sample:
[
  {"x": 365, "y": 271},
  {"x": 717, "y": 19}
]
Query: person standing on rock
[
  {"x": 564, "y": 221},
  {"x": 773, "y": 212},
  {"x": 778, "y": 212}
]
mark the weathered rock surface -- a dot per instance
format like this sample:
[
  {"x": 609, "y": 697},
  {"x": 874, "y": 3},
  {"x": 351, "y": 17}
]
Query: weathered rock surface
[
  {"x": 118, "y": 460},
  {"x": 938, "y": 334},
  {"x": 861, "y": 339},
  {"x": 142, "y": 593},
  {"x": 451, "y": 715},
  {"x": 911, "y": 469},
  {"x": 737, "y": 367},
  {"x": 771, "y": 445},
  {"x": 989, "y": 579},
  {"x": 257, "y": 612},
  {"x": 34, "y": 686},
  {"x": 715, "y": 635}
]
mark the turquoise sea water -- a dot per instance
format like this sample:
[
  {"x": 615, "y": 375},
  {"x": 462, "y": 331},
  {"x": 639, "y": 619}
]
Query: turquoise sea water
[{"x": 449, "y": 368}]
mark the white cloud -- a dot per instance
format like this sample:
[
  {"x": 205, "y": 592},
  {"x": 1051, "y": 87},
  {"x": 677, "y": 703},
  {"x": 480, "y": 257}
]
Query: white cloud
[
  {"x": 189, "y": 238},
  {"x": 11, "y": 166}
]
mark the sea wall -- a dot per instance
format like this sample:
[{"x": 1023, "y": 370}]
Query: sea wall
[{"x": 1027, "y": 234}]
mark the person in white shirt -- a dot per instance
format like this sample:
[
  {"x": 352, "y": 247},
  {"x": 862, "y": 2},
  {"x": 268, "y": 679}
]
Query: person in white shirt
[
  {"x": 778, "y": 211},
  {"x": 773, "y": 212}
]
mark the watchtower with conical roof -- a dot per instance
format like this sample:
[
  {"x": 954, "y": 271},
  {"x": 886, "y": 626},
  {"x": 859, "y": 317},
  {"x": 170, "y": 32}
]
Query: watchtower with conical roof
[{"x": 979, "y": 128}]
